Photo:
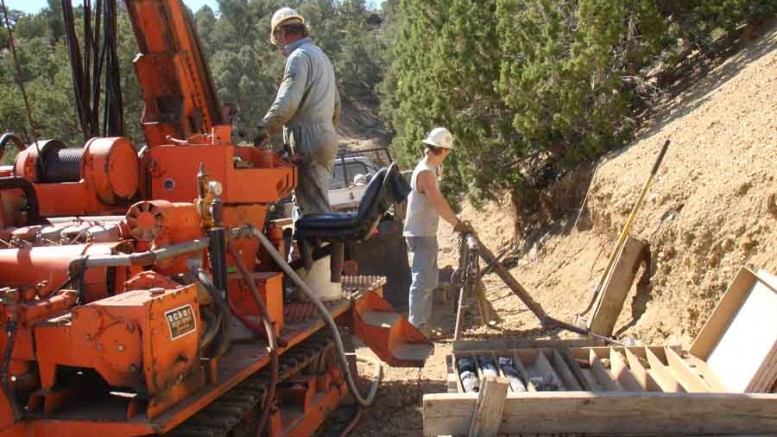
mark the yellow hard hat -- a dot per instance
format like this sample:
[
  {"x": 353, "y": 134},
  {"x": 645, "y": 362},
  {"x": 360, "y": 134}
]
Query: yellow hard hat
[{"x": 281, "y": 16}]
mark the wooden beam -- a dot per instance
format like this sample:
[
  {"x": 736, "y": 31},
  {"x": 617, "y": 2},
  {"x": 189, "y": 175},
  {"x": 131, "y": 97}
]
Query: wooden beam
[
  {"x": 690, "y": 379},
  {"x": 610, "y": 413},
  {"x": 616, "y": 287},
  {"x": 488, "y": 409},
  {"x": 620, "y": 370},
  {"x": 727, "y": 307}
]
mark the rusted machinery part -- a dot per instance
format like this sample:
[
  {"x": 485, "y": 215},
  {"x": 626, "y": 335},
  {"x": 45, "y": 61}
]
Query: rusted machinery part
[
  {"x": 15, "y": 182},
  {"x": 226, "y": 412},
  {"x": 268, "y": 327},
  {"x": 364, "y": 401},
  {"x": 147, "y": 258}
]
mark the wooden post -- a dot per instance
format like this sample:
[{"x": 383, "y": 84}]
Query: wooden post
[
  {"x": 617, "y": 287},
  {"x": 488, "y": 409}
]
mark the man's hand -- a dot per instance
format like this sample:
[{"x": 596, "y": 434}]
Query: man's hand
[
  {"x": 261, "y": 137},
  {"x": 463, "y": 227}
]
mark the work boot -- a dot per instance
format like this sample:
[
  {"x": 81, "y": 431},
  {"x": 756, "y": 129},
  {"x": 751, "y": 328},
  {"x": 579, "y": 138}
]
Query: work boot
[{"x": 426, "y": 331}]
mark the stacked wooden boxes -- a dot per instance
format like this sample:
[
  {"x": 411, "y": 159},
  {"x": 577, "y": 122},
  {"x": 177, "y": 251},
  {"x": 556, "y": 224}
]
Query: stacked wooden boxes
[{"x": 719, "y": 386}]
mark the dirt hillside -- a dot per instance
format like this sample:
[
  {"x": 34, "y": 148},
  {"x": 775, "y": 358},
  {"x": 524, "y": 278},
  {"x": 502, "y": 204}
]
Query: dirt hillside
[{"x": 711, "y": 210}]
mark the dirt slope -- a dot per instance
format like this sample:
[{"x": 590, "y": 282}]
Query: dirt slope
[{"x": 711, "y": 210}]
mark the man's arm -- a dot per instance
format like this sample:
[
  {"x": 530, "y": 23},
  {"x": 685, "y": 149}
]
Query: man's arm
[
  {"x": 338, "y": 108},
  {"x": 425, "y": 184},
  {"x": 290, "y": 93}
]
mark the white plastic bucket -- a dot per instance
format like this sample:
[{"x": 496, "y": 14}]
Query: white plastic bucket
[{"x": 318, "y": 278}]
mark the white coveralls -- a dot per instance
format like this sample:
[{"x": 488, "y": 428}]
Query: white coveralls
[{"x": 308, "y": 107}]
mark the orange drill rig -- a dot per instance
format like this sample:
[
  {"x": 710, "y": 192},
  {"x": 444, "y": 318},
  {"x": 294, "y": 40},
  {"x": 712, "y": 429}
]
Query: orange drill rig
[{"x": 142, "y": 292}]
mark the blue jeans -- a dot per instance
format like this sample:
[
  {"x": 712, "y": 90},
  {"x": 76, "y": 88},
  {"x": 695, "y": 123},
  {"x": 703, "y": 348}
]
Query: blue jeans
[{"x": 422, "y": 254}]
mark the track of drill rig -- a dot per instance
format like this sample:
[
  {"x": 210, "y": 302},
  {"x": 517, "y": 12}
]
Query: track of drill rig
[{"x": 224, "y": 414}]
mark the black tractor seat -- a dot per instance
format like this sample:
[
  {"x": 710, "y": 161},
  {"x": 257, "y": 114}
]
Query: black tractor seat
[{"x": 386, "y": 188}]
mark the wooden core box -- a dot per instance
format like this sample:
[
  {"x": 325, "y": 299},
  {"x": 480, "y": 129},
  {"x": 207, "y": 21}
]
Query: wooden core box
[{"x": 723, "y": 385}]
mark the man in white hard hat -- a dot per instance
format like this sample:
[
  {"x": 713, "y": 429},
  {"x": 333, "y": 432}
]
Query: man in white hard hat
[
  {"x": 307, "y": 108},
  {"x": 425, "y": 206}
]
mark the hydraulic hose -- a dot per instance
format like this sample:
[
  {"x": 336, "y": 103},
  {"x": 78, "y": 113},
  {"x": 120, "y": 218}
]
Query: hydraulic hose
[
  {"x": 365, "y": 401},
  {"x": 4, "y": 377},
  {"x": 221, "y": 304},
  {"x": 213, "y": 321},
  {"x": 13, "y": 138},
  {"x": 268, "y": 328},
  {"x": 16, "y": 182}
]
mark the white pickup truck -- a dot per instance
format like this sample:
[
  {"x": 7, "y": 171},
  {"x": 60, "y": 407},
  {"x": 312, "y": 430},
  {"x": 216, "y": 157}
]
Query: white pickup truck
[{"x": 349, "y": 181}]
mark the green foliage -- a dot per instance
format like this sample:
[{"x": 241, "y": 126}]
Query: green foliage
[
  {"x": 245, "y": 66},
  {"x": 530, "y": 88}
]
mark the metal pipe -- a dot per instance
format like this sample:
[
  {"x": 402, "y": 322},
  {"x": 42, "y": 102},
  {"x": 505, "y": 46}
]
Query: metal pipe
[
  {"x": 365, "y": 401},
  {"x": 147, "y": 258},
  {"x": 217, "y": 252},
  {"x": 16, "y": 182},
  {"x": 102, "y": 219},
  {"x": 268, "y": 327}
]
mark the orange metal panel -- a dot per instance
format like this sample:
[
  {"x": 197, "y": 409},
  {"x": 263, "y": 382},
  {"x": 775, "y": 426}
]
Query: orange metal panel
[
  {"x": 138, "y": 339},
  {"x": 270, "y": 285},
  {"x": 171, "y": 174}
]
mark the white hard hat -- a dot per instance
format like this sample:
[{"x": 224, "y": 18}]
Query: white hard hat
[
  {"x": 281, "y": 16},
  {"x": 439, "y": 137}
]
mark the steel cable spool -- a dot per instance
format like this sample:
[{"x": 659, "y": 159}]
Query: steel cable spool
[{"x": 63, "y": 165}]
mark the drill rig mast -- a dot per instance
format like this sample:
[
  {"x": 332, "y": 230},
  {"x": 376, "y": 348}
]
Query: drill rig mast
[{"x": 141, "y": 292}]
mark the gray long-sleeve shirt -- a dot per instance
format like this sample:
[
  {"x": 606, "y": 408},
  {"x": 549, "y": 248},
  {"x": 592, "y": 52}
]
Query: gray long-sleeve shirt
[{"x": 307, "y": 104}]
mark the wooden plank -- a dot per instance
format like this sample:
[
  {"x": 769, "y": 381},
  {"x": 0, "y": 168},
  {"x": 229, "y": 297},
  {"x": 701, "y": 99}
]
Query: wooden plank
[
  {"x": 636, "y": 357},
  {"x": 452, "y": 377},
  {"x": 603, "y": 376},
  {"x": 620, "y": 370},
  {"x": 563, "y": 371},
  {"x": 661, "y": 373},
  {"x": 488, "y": 409},
  {"x": 721, "y": 316},
  {"x": 706, "y": 374},
  {"x": 569, "y": 359},
  {"x": 509, "y": 344},
  {"x": 610, "y": 413},
  {"x": 690, "y": 379},
  {"x": 519, "y": 366},
  {"x": 747, "y": 346},
  {"x": 616, "y": 287},
  {"x": 583, "y": 364},
  {"x": 544, "y": 368}
]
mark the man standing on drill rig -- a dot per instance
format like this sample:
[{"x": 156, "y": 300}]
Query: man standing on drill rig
[{"x": 307, "y": 107}]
